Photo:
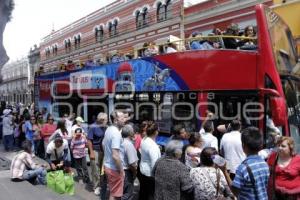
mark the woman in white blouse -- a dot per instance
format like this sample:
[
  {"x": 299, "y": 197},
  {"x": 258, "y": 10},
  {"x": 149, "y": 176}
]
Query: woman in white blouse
[{"x": 150, "y": 153}]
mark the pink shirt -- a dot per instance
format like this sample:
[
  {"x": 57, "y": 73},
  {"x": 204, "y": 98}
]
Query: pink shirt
[
  {"x": 78, "y": 147},
  {"x": 138, "y": 140},
  {"x": 47, "y": 131}
]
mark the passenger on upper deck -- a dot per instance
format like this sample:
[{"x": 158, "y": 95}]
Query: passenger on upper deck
[
  {"x": 232, "y": 30},
  {"x": 89, "y": 62},
  {"x": 195, "y": 44},
  {"x": 217, "y": 31},
  {"x": 171, "y": 48},
  {"x": 249, "y": 32},
  {"x": 150, "y": 49},
  {"x": 117, "y": 57}
]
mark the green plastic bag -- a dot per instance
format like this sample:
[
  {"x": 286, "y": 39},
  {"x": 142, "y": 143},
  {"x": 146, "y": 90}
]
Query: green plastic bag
[
  {"x": 69, "y": 184},
  {"x": 51, "y": 180},
  {"x": 60, "y": 186},
  {"x": 56, "y": 181}
]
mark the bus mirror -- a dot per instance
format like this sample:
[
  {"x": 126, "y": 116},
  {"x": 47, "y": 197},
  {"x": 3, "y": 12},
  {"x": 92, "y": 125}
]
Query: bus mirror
[
  {"x": 270, "y": 92},
  {"x": 278, "y": 108}
]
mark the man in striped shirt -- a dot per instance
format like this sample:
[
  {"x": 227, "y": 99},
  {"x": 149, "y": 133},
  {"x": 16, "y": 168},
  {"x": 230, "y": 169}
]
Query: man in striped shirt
[
  {"x": 23, "y": 167},
  {"x": 78, "y": 144},
  {"x": 252, "y": 175}
]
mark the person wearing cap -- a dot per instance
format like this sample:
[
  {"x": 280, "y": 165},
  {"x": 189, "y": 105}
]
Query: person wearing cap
[
  {"x": 57, "y": 153},
  {"x": 95, "y": 137},
  {"x": 8, "y": 130},
  {"x": 78, "y": 144},
  {"x": 195, "y": 43},
  {"x": 78, "y": 124},
  {"x": 232, "y": 30}
]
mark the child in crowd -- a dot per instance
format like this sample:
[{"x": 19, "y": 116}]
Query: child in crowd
[{"x": 78, "y": 144}]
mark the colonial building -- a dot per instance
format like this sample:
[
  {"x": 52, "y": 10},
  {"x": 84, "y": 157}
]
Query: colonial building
[
  {"x": 14, "y": 86},
  {"x": 34, "y": 63},
  {"x": 125, "y": 25}
]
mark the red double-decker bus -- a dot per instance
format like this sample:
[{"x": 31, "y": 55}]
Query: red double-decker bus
[{"x": 250, "y": 83}]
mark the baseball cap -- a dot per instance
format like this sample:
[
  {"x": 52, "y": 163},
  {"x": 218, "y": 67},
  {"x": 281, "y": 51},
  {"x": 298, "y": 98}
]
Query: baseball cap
[
  {"x": 79, "y": 119},
  {"x": 78, "y": 130},
  {"x": 6, "y": 111},
  {"x": 58, "y": 137}
]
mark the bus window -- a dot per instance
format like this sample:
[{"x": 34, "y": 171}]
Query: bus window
[{"x": 284, "y": 47}]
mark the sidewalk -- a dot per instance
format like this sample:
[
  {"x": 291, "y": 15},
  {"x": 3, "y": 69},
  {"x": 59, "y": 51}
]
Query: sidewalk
[{"x": 24, "y": 190}]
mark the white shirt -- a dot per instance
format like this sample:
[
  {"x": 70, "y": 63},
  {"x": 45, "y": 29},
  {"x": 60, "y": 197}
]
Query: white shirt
[
  {"x": 231, "y": 145},
  {"x": 209, "y": 140},
  {"x": 170, "y": 50},
  {"x": 7, "y": 126},
  {"x": 150, "y": 153},
  {"x": 112, "y": 140},
  {"x": 60, "y": 151},
  {"x": 68, "y": 124}
]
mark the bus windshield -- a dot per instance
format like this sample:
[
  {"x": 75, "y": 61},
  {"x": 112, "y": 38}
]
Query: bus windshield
[{"x": 283, "y": 45}]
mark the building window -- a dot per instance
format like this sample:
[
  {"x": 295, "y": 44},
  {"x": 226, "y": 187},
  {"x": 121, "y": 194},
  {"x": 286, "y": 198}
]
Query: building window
[
  {"x": 68, "y": 45},
  {"x": 145, "y": 16},
  {"x": 77, "y": 39},
  {"x": 139, "y": 20},
  {"x": 168, "y": 9},
  {"x": 113, "y": 28},
  {"x": 48, "y": 52},
  {"x": 99, "y": 34},
  {"x": 164, "y": 12},
  {"x": 110, "y": 29},
  {"x": 161, "y": 12},
  {"x": 54, "y": 50}
]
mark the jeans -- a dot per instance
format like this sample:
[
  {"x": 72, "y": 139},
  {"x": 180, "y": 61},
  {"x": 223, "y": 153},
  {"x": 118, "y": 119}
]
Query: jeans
[
  {"x": 96, "y": 167},
  {"x": 104, "y": 192},
  {"x": 39, "y": 173},
  {"x": 82, "y": 170},
  {"x": 8, "y": 142}
]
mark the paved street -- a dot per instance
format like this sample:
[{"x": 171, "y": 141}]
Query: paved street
[{"x": 25, "y": 191}]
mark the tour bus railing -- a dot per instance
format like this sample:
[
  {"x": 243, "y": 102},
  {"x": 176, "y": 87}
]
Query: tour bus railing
[{"x": 181, "y": 44}]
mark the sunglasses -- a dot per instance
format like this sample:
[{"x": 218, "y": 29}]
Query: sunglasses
[{"x": 51, "y": 119}]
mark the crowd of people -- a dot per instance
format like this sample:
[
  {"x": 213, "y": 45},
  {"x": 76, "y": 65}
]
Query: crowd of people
[{"x": 192, "y": 165}]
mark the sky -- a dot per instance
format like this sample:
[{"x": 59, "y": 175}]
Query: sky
[{"x": 34, "y": 19}]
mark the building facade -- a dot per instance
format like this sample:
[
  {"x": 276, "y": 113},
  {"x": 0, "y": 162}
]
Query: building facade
[
  {"x": 14, "y": 85},
  {"x": 125, "y": 25},
  {"x": 118, "y": 26},
  {"x": 34, "y": 59}
]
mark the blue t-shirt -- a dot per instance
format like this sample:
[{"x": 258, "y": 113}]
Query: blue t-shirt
[
  {"x": 112, "y": 140},
  {"x": 96, "y": 134},
  {"x": 28, "y": 131},
  {"x": 196, "y": 45},
  {"x": 243, "y": 182}
]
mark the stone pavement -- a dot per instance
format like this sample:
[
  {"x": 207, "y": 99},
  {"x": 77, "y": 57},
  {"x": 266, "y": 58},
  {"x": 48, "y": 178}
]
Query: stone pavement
[{"x": 25, "y": 191}]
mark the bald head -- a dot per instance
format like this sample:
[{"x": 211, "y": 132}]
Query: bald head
[{"x": 6, "y": 8}]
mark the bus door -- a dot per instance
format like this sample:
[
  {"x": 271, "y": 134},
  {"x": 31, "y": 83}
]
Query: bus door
[{"x": 230, "y": 105}]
